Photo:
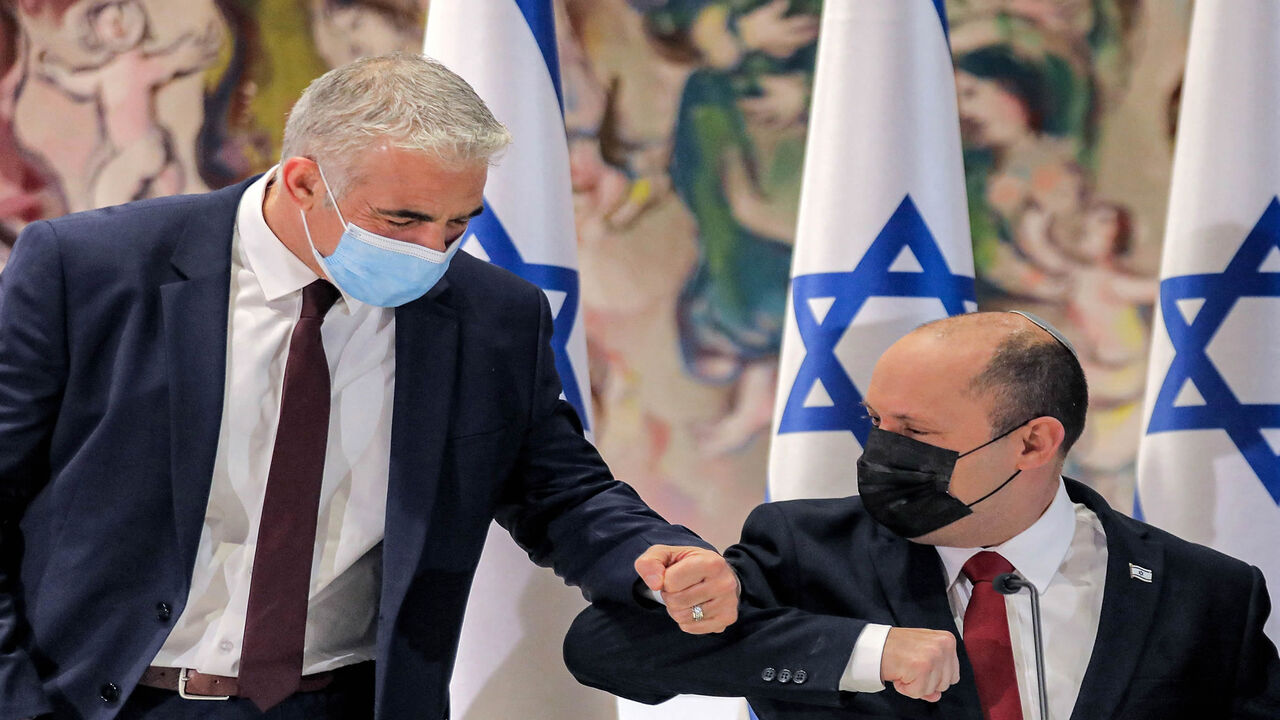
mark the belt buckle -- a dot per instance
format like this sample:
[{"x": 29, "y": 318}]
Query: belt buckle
[{"x": 182, "y": 689}]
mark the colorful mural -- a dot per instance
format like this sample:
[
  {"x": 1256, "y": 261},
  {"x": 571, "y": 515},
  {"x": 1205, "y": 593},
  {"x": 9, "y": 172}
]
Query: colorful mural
[{"x": 687, "y": 121}]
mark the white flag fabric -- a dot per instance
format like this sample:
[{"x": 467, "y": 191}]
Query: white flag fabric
[
  {"x": 883, "y": 240},
  {"x": 509, "y": 661},
  {"x": 1207, "y": 465}
]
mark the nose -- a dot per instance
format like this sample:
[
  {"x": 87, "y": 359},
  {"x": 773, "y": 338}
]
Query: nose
[{"x": 431, "y": 235}]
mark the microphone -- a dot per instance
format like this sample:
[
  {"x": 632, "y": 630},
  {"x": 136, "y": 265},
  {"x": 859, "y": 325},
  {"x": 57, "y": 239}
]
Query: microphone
[{"x": 1011, "y": 584}]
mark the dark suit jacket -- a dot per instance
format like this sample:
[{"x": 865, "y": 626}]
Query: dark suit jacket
[
  {"x": 1189, "y": 644},
  {"x": 113, "y": 334}
]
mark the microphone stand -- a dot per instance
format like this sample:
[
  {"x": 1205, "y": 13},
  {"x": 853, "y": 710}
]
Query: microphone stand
[{"x": 1011, "y": 584}]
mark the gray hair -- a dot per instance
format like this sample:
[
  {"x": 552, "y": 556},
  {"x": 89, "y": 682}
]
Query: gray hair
[{"x": 408, "y": 100}]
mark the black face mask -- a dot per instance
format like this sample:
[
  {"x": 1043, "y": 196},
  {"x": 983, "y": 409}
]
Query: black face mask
[{"x": 904, "y": 482}]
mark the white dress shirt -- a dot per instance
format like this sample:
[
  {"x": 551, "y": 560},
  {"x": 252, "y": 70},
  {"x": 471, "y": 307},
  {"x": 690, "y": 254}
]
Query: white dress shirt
[
  {"x": 1064, "y": 554},
  {"x": 359, "y": 344}
]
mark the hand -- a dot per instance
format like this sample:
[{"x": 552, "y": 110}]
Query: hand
[
  {"x": 689, "y": 576},
  {"x": 920, "y": 663},
  {"x": 767, "y": 30},
  {"x": 783, "y": 102}
]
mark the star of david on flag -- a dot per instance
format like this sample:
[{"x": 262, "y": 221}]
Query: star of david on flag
[
  {"x": 882, "y": 241},
  {"x": 826, "y": 304},
  {"x": 1195, "y": 395},
  {"x": 559, "y": 282}
]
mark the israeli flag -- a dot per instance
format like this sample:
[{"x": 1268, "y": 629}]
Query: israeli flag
[
  {"x": 506, "y": 50},
  {"x": 1208, "y": 465},
  {"x": 883, "y": 238},
  {"x": 509, "y": 662}
]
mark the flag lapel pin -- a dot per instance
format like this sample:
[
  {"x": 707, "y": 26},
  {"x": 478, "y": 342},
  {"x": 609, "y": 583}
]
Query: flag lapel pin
[{"x": 1137, "y": 572}]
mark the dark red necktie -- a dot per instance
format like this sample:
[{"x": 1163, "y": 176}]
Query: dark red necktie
[
  {"x": 276, "y": 620},
  {"x": 986, "y": 639}
]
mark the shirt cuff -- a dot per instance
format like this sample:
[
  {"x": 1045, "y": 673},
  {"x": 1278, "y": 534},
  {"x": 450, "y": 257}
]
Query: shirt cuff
[{"x": 862, "y": 674}]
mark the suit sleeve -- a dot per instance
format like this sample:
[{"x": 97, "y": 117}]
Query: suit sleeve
[
  {"x": 644, "y": 657},
  {"x": 564, "y": 507},
  {"x": 1258, "y": 677},
  {"x": 33, "y": 366}
]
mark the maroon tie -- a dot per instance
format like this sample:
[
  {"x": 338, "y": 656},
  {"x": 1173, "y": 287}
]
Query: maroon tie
[
  {"x": 276, "y": 620},
  {"x": 986, "y": 639}
]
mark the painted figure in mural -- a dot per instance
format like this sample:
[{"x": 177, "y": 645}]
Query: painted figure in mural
[
  {"x": 346, "y": 30},
  {"x": 136, "y": 157},
  {"x": 736, "y": 163},
  {"x": 26, "y": 192},
  {"x": 1034, "y": 80},
  {"x": 1017, "y": 155}
]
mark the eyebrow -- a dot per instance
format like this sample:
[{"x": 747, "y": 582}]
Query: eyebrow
[
  {"x": 424, "y": 217},
  {"x": 898, "y": 416}
]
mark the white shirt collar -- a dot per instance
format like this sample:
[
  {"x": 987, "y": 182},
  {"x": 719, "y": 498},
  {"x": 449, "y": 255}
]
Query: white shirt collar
[
  {"x": 1036, "y": 553},
  {"x": 278, "y": 271}
]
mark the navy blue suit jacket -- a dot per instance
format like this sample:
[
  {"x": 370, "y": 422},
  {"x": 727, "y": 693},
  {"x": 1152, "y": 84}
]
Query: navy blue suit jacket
[
  {"x": 113, "y": 339},
  {"x": 1189, "y": 644}
]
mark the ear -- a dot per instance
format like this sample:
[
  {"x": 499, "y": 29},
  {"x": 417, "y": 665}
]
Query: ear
[
  {"x": 1040, "y": 442},
  {"x": 301, "y": 183}
]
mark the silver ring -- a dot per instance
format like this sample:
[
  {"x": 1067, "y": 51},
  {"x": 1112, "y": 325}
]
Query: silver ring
[{"x": 697, "y": 613}]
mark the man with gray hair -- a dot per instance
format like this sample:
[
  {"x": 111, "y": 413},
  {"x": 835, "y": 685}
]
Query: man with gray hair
[{"x": 251, "y": 441}]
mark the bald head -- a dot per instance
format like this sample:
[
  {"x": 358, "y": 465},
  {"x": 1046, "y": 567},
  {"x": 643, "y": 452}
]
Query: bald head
[{"x": 1022, "y": 369}]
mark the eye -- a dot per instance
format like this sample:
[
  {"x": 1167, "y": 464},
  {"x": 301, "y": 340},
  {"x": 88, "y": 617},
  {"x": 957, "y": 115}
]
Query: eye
[
  {"x": 400, "y": 223},
  {"x": 875, "y": 420}
]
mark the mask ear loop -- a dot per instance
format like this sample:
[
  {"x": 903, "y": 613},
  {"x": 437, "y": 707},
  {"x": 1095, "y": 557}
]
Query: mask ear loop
[
  {"x": 1015, "y": 474},
  {"x": 1001, "y": 436},
  {"x": 332, "y": 197}
]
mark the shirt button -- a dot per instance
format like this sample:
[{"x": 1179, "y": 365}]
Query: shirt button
[
  {"x": 109, "y": 692},
  {"x": 784, "y": 675},
  {"x": 799, "y": 677},
  {"x": 767, "y": 675},
  {"x": 226, "y": 646},
  {"x": 163, "y": 611}
]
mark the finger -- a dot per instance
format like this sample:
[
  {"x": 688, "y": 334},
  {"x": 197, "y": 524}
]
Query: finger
[
  {"x": 700, "y": 594},
  {"x": 690, "y": 570},
  {"x": 700, "y": 585},
  {"x": 652, "y": 564},
  {"x": 711, "y": 607},
  {"x": 778, "y": 7},
  {"x": 716, "y": 616},
  {"x": 700, "y": 565},
  {"x": 799, "y": 25},
  {"x": 708, "y": 624}
]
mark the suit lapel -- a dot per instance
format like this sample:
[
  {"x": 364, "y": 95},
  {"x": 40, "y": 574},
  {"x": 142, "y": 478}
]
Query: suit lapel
[
  {"x": 911, "y": 578},
  {"x": 426, "y": 362},
  {"x": 194, "y": 307},
  {"x": 1128, "y": 610}
]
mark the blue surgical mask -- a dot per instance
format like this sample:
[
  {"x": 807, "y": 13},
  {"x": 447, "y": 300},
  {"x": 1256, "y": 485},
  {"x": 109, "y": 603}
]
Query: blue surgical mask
[{"x": 378, "y": 270}]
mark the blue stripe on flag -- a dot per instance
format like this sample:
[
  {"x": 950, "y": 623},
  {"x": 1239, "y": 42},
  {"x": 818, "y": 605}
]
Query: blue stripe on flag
[
  {"x": 941, "y": 7},
  {"x": 542, "y": 23},
  {"x": 498, "y": 245}
]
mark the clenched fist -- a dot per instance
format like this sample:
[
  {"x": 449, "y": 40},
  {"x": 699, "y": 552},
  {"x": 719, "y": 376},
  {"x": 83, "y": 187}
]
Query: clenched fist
[
  {"x": 920, "y": 663},
  {"x": 697, "y": 585}
]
